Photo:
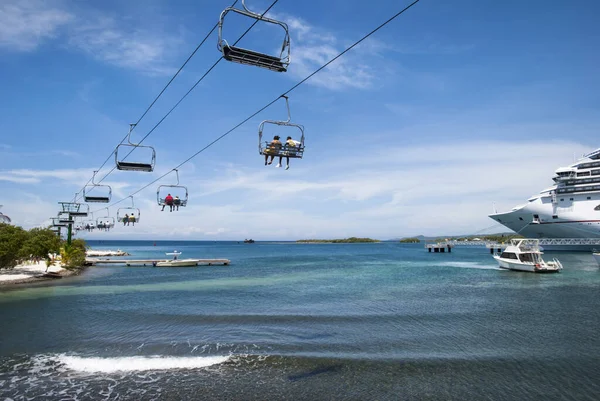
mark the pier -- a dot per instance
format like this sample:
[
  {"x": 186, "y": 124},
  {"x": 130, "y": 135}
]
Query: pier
[
  {"x": 151, "y": 262},
  {"x": 439, "y": 247}
]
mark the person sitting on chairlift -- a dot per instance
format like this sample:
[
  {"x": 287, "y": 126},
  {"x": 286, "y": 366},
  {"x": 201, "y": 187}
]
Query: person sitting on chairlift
[
  {"x": 126, "y": 220},
  {"x": 169, "y": 202},
  {"x": 176, "y": 202},
  {"x": 132, "y": 218},
  {"x": 291, "y": 147},
  {"x": 272, "y": 149}
]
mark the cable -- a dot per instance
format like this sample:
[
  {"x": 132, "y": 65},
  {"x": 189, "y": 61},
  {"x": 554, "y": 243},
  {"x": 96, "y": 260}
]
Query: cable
[
  {"x": 188, "y": 92},
  {"x": 155, "y": 100},
  {"x": 270, "y": 103}
]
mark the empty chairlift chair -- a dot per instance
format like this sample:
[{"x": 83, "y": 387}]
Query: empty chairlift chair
[
  {"x": 65, "y": 219},
  {"x": 124, "y": 149},
  {"x": 265, "y": 148},
  {"x": 178, "y": 192},
  {"x": 250, "y": 57},
  {"x": 132, "y": 213},
  {"x": 96, "y": 192},
  {"x": 55, "y": 222}
]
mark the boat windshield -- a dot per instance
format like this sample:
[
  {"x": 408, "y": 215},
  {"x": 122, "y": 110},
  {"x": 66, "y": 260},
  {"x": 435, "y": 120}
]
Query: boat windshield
[{"x": 529, "y": 257}]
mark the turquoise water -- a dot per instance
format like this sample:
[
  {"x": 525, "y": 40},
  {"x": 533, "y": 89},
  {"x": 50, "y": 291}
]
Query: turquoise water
[{"x": 305, "y": 321}]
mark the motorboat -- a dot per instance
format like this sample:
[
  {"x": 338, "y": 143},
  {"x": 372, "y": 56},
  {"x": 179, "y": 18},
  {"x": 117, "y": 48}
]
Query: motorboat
[
  {"x": 597, "y": 257},
  {"x": 526, "y": 255},
  {"x": 175, "y": 262}
]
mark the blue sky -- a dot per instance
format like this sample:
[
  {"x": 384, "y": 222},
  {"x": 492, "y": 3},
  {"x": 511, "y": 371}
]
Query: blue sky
[{"x": 447, "y": 109}]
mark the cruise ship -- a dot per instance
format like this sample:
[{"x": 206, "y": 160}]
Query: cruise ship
[{"x": 568, "y": 209}]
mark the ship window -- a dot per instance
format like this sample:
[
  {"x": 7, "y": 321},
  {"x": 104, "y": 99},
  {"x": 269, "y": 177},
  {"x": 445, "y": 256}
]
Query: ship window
[
  {"x": 584, "y": 174},
  {"x": 589, "y": 197},
  {"x": 570, "y": 198},
  {"x": 562, "y": 199},
  {"x": 597, "y": 207},
  {"x": 536, "y": 216},
  {"x": 508, "y": 255},
  {"x": 555, "y": 217}
]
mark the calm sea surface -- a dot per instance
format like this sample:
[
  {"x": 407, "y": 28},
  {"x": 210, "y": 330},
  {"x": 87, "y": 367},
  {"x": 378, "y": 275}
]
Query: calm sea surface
[{"x": 382, "y": 321}]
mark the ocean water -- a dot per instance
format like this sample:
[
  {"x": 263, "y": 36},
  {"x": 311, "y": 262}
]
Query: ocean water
[{"x": 383, "y": 321}]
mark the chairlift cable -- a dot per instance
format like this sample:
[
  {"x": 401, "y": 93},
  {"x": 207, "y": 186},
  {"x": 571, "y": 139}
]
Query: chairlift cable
[
  {"x": 157, "y": 97},
  {"x": 274, "y": 100},
  {"x": 188, "y": 92}
]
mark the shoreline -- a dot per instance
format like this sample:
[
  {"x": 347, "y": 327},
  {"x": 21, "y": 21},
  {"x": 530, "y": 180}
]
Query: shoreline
[{"x": 33, "y": 273}]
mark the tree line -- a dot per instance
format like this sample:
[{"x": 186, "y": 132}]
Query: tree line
[{"x": 18, "y": 245}]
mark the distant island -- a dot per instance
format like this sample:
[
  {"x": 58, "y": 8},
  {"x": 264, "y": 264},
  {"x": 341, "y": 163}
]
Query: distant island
[
  {"x": 337, "y": 241},
  {"x": 412, "y": 240}
]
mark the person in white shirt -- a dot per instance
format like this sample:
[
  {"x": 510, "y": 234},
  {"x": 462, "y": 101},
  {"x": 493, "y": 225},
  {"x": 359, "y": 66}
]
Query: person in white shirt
[{"x": 291, "y": 146}]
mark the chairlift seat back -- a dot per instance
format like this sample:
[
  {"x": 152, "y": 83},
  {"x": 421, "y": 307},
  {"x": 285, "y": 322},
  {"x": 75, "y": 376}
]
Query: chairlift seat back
[{"x": 295, "y": 152}]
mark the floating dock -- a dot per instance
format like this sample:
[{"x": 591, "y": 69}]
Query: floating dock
[{"x": 151, "y": 262}]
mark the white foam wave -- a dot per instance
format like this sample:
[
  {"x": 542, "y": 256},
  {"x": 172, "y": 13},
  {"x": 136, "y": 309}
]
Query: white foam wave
[
  {"x": 137, "y": 363},
  {"x": 470, "y": 265}
]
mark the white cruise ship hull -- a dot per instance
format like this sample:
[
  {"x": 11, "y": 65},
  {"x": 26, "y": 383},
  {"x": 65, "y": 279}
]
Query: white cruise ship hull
[{"x": 571, "y": 216}]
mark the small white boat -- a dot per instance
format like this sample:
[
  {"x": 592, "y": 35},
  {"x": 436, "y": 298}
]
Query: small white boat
[
  {"x": 177, "y": 262},
  {"x": 525, "y": 255},
  {"x": 597, "y": 257}
]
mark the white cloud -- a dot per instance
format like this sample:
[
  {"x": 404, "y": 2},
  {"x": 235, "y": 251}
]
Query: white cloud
[
  {"x": 107, "y": 40},
  {"x": 312, "y": 47},
  {"x": 24, "y": 24}
]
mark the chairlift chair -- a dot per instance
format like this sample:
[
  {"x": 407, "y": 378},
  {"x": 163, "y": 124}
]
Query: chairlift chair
[
  {"x": 102, "y": 195},
  {"x": 57, "y": 223},
  {"x": 177, "y": 189},
  {"x": 135, "y": 165},
  {"x": 89, "y": 224},
  {"x": 129, "y": 211},
  {"x": 106, "y": 221},
  {"x": 75, "y": 209},
  {"x": 250, "y": 57},
  {"x": 265, "y": 148},
  {"x": 65, "y": 218}
]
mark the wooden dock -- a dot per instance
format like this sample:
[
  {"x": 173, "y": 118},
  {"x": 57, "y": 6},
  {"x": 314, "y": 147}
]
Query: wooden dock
[{"x": 151, "y": 262}]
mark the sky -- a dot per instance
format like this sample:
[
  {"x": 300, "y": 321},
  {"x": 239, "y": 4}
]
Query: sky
[{"x": 449, "y": 111}]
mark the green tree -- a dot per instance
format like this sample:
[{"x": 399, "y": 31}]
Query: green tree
[
  {"x": 12, "y": 239},
  {"x": 40, "y": 242},
  {"x": 73, "y": 256}
]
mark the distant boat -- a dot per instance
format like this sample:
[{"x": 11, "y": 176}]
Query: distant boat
[
  {"x": 177, "y": 262},
  {"x": 249, "y": 241}
]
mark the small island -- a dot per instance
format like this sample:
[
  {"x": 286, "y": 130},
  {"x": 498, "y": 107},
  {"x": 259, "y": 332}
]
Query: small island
[
  {"x": 350, "y": 240},
  {"x": 410, "y": 240}
]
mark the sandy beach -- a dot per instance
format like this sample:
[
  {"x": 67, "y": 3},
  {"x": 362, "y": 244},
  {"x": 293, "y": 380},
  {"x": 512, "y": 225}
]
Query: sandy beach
[{"x": 31, "y": 272}]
